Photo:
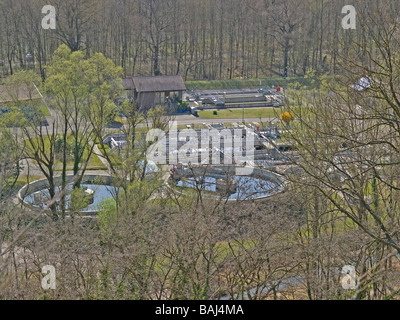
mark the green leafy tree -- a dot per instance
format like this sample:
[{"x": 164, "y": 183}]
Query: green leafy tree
[{"x": 83, "y": 91}]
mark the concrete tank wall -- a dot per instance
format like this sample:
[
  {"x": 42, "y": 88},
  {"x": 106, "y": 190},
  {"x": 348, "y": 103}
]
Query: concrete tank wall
[{"x": 44, "y": 184}]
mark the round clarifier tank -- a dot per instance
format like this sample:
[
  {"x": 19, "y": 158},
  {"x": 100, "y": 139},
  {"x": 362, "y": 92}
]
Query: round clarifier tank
[
  {"x": 95, "y": 190},
  {"x": 223, "y": 182}
]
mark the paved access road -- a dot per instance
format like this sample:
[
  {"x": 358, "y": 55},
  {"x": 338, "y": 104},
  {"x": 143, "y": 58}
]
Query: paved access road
[{"x": 189, "y": 119}]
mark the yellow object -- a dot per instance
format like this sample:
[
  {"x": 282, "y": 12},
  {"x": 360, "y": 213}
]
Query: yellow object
[{"x": 287, "y": 117}]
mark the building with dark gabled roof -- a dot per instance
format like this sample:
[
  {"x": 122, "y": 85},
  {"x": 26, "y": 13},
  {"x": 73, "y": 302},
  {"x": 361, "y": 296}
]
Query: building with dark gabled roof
[{"x": 150, "y": 91}]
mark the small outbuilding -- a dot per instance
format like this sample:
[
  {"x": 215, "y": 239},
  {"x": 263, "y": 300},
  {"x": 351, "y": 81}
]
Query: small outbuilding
[
  {"x": 150, "y": 91},
  {"x": 27, "y": 99},
  {"x": 19, "y": 94}
]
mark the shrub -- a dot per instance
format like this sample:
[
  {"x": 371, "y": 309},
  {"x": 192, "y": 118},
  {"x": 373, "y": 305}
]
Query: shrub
[{"x": 287, "y": 117}]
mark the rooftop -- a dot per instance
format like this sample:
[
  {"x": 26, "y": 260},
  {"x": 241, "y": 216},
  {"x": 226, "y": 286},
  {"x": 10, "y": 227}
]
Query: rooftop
[
  {"x": 23, "y": 92},
  {"x": 157, "y": 84}
]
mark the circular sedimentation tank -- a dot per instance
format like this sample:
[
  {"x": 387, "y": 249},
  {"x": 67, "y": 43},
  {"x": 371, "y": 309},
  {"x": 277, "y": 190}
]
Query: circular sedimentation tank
[
  {"x": 225, "y": 182},
  {"x": 95, "y": 189},
  {"x": 219, "y": 182}
]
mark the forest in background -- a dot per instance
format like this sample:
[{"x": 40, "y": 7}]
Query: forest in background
[{"x": 200, "y": 40}]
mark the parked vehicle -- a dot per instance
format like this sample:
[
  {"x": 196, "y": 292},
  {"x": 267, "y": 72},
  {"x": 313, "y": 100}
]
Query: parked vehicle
[{"x": 194, "y": 111}]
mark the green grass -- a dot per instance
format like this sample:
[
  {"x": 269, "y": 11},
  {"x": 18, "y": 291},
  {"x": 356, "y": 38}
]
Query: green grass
[
  {"x": 229, "y": 125},
  {"x": 91, "y": 168},
  {"x": 238, "y": 113},
  {"x": 21, "y": 181},
  {"x": 119, "y": 119},
  {"x": 114, "y": 159},
  {"x": 94, "y": 162},
  {"x": 45, "y": 111}
]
